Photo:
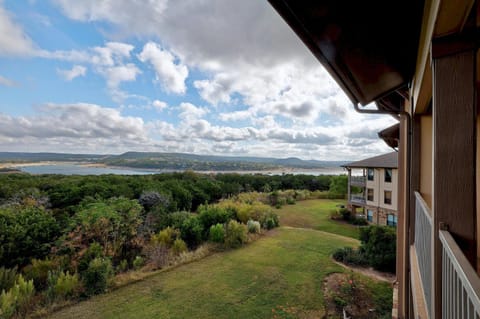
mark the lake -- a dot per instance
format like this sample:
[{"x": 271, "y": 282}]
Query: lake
[{"x": 74, "y": 169}]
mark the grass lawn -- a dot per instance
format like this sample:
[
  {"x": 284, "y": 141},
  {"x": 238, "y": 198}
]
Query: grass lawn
[
  {"x": 315, "y": 214},
  {"x": 283, "y": 270}
]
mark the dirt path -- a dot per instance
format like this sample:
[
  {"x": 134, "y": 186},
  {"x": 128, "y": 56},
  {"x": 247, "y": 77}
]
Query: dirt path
[{"x": 370, "y": 272}]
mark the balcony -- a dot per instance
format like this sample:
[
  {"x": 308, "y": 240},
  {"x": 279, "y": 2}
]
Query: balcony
[
  {"x": 358, "y": 181},
  {"x": 357, "y": 199},
  {"x": 460, "y": 287}
]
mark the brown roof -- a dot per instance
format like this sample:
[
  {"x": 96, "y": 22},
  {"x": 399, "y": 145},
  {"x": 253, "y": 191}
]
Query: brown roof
[
  {"x": 389, "y": 160},
  {"x": 369, "y": 47},
  {"x": 391, "y": 135}
]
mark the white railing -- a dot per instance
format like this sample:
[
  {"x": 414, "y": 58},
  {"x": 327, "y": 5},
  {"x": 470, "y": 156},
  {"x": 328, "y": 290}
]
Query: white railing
[
  {"x": 423, "y": 247},
  {"x": 359, "y": 198},
  {"x": 460, "y": 282},
  {"x": 357, "y": 180}
]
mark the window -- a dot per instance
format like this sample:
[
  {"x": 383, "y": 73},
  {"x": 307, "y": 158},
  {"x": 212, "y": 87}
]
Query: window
[
  {"x": 387, "y": 199},
  {"x": 391, "y": 220},
  {"x": 370, "y": 215},
  {"x": 370, "y": 174},
  {"x": 388, "y": 175},
  {"x": 370, "y": 194}
]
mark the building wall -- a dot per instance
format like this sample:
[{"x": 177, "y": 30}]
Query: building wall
[
  {"x": 379, "y": 187},
  {"x": 426, "y": 162}
]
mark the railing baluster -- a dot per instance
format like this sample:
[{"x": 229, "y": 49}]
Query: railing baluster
[
  {"x": 423, "y": 239},
  {"x": 461, "y": 285}
]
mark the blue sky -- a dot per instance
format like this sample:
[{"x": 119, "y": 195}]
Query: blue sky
[{"x": 209, "y": 77}]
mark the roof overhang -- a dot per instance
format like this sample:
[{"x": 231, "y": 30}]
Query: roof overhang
[
  {"x": 391, "y": 135},
  {"x": 369, "y": 47}
]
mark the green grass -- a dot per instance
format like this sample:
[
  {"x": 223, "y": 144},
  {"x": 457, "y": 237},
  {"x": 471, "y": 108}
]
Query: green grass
[
  {"x": 315, "y": 214},
  {"x": 284, "y": 268}
]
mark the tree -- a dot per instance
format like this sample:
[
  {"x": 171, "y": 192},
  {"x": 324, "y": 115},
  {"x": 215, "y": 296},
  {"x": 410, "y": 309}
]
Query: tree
[{"x": 339, "y": 185}]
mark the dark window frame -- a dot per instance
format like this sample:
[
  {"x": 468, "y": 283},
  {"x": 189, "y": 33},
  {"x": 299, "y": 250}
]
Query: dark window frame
[
  {"x": 389, "y": 175},
  {"x": 372, "y": 198},
  {"x": 370, "y": 177},
  {"x": 386, "y": 200}
]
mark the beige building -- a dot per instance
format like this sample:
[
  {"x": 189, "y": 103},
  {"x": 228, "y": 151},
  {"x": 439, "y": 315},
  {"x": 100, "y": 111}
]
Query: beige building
[
  {"x": 373, "y": 188},
  {"x": 418, "y": 61}
]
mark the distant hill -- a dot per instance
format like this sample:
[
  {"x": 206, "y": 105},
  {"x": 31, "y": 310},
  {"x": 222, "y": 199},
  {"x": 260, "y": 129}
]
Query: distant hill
[{"x": 176, "y": 161}]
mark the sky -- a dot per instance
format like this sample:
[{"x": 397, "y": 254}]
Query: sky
[{"x": 222, "y": 77}]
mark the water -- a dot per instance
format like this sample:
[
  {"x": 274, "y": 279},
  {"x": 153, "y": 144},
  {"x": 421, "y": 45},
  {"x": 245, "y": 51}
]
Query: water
[{"x": 73, "y": 169}]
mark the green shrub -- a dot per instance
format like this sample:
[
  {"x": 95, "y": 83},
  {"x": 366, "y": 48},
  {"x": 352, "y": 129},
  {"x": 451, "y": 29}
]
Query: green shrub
[
  {"x": 38, "y": 272},
  {"x": 97, "y": 276},
  {"x": 211, "y": 215},
  {"x": 62, "y": 285},
  {"x": 179, "y": 246},
  {"x": 270, "y": 221},
  {"x": 95, "y": 250},
  {"x": 350, "y": 256},
  {"x": 253, "y": 227},
  {"x": 122, "y": 266},
  {"x": 291, "y": 201},
  {"x": 138, "y": 262},
  {"x": 379, "y": 246},
  {"x": 359, "y": 221},
  {"x": 191, "y": 231},
  {"x": 166, "y": 237},
  {"x": 7, "y": 278},
  {"x": 18, "y": 299},
  {"x": 217, "y": 233},
  {"x": 346, "y": 214},
  {"x": 235, "y": 234}
]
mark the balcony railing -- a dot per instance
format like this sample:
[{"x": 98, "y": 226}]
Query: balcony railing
[
  {"x": 460, "y": 282},
  {"x": 357, "y": 198},
  {"x": 357, "y": 180},
  {"x": 423, "y": 246}
]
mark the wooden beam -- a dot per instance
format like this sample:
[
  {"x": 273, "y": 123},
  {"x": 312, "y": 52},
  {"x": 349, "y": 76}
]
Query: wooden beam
[{"x": 454, "y": 157}]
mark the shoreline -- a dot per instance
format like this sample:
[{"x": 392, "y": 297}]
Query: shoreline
[{"x": 286, "y": 170}]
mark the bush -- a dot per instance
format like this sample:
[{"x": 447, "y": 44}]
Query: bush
[
  {"x": 18, "y": 299},
  {"x": 211, "y": 215},
  {"x": 179, "y": 246},
  {"x": 38, "y": 272},
  {"x": 63, "y": 285},
  {"x": 217, "y": 233},
  {"x": 7, "y": 278},
  {"x": 97, "y": 276},
  {"x": 346, "y": 214},
  {"x": 270, "y": 221},
  {"x": 253, "y": 227},
  {"x": 348, "y": 255},
  {"x": 138, "y": 262},
  {"x": 166, "y": 236},
  {"x": 379, "y": 246},
  {"x": 92, "y": 252},
  {"x": 359, "y": 221},
  {"x": 291, "y": 201},
  {"x": 235, "y": 234},
  {"x": 191, "y": 231},
  {"x": 123, "y": 266}
]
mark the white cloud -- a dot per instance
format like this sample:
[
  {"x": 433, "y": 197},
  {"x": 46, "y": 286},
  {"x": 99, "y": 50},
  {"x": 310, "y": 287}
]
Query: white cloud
[
  {"x": 73, "y": 126},
  {"x": 13, "y": 40},
  {"x": 171, "y": 73},
  {"x": 76, "y": 71},
  {"x": 159, "y": 105},
  {"x": 119, "y": 73},
  {"x": 7, "y": 82}
]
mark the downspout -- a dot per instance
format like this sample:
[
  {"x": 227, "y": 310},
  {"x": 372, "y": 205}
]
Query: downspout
[{"x": 408, "y": 179}]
